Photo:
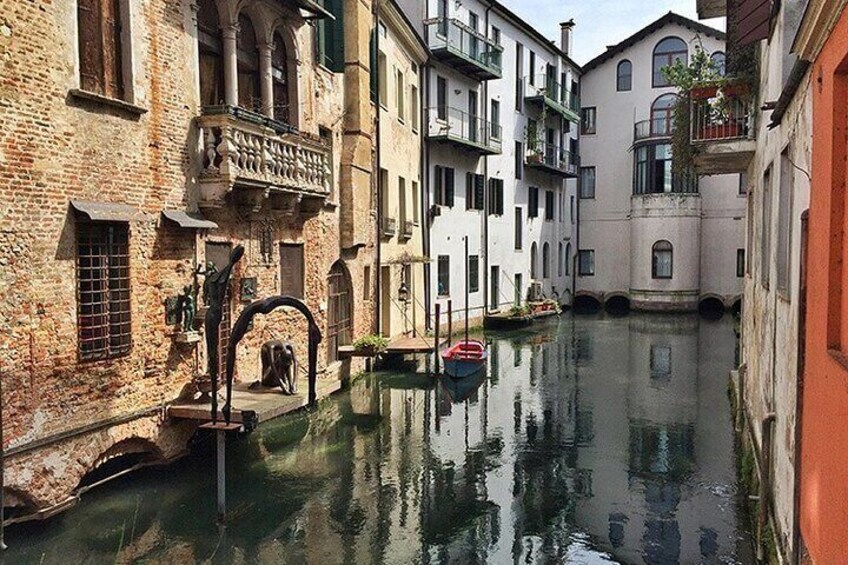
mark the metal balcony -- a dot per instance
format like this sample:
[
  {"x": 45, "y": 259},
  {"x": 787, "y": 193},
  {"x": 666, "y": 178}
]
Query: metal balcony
[
  {"x": 450, "y": 125},
  {"x": 655, "y": 129},
  {"x": 552, "y": 159},
  {"x": 722, "y": 127},
  {"x": 389, "y": 227},
  {"x": 248, "y": 156},
  {"x": 541, "y": 89},
  {"x": 468, "y": 51}
]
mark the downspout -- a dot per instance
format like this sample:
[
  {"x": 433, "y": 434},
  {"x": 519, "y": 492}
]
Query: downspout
[
  {"x": 425, "y": 202},
  {"x": 799, "y": 389},
  {"x": 484, "y": 244},
  {"x": 378, "y": 295}
]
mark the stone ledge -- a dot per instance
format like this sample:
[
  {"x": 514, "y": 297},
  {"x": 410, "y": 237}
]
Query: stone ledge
[{"x": 106, "y": 101}]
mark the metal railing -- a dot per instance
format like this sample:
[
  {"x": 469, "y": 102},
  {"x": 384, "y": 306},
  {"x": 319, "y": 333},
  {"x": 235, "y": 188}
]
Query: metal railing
[
  {"x": 408, "y": 228},
  {"x": 557, "y": 95},
  {"x": 552, "y": 156},
  {"x": 460, "y": 39},
  {"x": 451, "y": 123},
  {"x": 654, "y": 128},
  {"x": 721, "y": 112},
  {"x": 389, "y": 227}
]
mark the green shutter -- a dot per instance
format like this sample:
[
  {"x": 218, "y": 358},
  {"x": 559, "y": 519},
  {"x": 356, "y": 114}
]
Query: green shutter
[
  {"x": 449, "y": 187},
  {"x": 334, "y": 55},
  {"x": 469, "y": 191},
  {"x": 372, "y": 53},
  {"x": 479, "y": 188}
]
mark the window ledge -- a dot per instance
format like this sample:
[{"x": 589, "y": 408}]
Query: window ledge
[{"x": 106, "y": 101}]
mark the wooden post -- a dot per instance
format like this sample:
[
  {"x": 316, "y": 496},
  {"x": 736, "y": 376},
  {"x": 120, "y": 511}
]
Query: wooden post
[
  {"x": 2, "y": 473},
  {"x": 450, "y": 323},
  {"x": 437, "y": 328},
  {"x": 221, "y": 441}
]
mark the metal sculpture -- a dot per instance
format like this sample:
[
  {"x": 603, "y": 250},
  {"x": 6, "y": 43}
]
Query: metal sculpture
[
  {"x": 242, "y": 326},
  {"x": 279, "y": 367},
  {"x": 188, "y": 308},
  {"x": 215, "y": 292}
]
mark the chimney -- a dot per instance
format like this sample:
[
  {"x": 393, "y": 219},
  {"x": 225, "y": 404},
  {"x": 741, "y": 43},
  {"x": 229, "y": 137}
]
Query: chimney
[{"x": 566, "y": 28}]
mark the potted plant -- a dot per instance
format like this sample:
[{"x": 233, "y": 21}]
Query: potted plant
[{"x": 370, "y": 345}]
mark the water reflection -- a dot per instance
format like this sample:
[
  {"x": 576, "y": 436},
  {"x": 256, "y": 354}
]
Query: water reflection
[{"x": 592, "y": 441}]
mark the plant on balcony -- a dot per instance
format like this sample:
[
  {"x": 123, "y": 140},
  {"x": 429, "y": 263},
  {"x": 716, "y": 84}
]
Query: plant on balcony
[{"x": 534, "y": 137}]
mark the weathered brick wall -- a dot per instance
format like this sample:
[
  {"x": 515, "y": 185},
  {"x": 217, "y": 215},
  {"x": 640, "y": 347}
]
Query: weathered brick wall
[{"x": 55, "y": 147}]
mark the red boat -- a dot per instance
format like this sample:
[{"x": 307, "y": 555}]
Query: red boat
[{"x": 465, "y": 358}]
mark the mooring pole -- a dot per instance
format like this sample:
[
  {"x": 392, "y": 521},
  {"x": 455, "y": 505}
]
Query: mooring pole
[
  {"x": 436, "y": 329},
  {"x": 2, "y": 474},
  {"x": 221, "y": 440},
  {"x": 450, "y": 323}
]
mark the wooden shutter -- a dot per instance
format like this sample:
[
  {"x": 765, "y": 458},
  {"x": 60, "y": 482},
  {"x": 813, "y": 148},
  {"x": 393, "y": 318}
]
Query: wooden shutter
[
  {"x": 291, "y": 270},
  {"x": 469, "y": 191},
  {"x": 438, "y": 192},
  {"x": 335, "y": 49},
  {"x": 500, "y": 197},
  {"x": 90, "y": 45},
  {"x": 449, "y": 186},
  {"x": 112, "y": 74},
  {"x": 750, "y": 21},
  {"x": 479, "y": 189}
]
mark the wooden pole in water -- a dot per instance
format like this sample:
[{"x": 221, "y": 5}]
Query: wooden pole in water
[
  {"x": 437, "y": 328},
  {"x": 450, "y": 323},
  {"x": 221, "y": 441},
  {"x": 466, "y": 288}
]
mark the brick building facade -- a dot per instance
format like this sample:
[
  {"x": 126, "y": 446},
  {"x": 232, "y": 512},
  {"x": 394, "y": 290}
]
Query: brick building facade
[{"x": 128, "y": 127}]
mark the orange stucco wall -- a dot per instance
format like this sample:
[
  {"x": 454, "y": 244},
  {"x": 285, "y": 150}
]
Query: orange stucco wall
[{"x": 824, "y": 447}]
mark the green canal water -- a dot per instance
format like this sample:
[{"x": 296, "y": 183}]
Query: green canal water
[{"x": 590, "y": 440}]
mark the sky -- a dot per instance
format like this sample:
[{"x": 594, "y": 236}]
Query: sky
[{"x": 599, "y": 22}]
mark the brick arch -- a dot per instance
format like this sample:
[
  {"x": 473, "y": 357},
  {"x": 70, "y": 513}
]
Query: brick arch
[{"x": 129, "y": 446}]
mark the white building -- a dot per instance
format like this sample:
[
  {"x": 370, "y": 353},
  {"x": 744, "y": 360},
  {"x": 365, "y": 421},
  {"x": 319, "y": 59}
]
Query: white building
[
  {"x": 500, "y": 120},
  {"x": 648, "y": 239}
]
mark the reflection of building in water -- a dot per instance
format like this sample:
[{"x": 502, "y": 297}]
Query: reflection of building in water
[{"x": 664, "y": 505}]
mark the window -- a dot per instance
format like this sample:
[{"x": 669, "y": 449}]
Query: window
[
  {"x": 532, "y": 78},
  {"x": 519, "y": 229},
  {"x": 519, "y": 159},
  {"x": 291, "y": 270},
  {"x": 413, "y": 106},
  {"x": 534, "y": 252},
  {"x": 740, "y": 263},
  {"x": 100, "y": 48},
  {"x": 496, "y": 120},
  {"x": 401, "y": 203},
  {"x": 533, "y": 202},
  {"x": 546, "y": 261},
  {"x": 519, "y": 77},
  {"x": 400, "y": 85},
  {"x": 280, "y": 77},
  {"x": 666, "y": 52},
  {"x": 339, "y": 310},
  {"x": 571, "y": 209},
  {"x": 473, "y": 273},
  {"x": 587, "y": 182},
  {"x": 330, "y": 37},
  {"x": 210, "y": 50},
  {"x": 765, "y": 230},
  {"x": 588, "y": 123},
  {"x": 416, "y": 202},
  {"x": 496, "y": 197},
  {"x": 661, "y": 114},
  {"x": 103, "y": 290},
  {"x": 720, "y": 62},
  {"x": 662, "y": 258},
  {"x": 660, "y": 362},
  {"x": 653, "y": 173},
  {"x": 549, "y": 205},
  {"x": 444, "y": 275},
  {"x": 474, "y": 187},
  {"x": 383, "y": 188},
  {"x": 496, "y": 35},
  {"x": 743, "y": 184},
  {"x": 443, "y": 14},
  {"x": 382, "y": 65},
  {"x": 586, "y": 262},
  {"x": 749, "y": 240},
  {"x": 560, "y": 259},
  {"x": 366, "y": 282},
  {"x": 444, "y": 190},
  {"x": 248, "y": 66},
  {"x": 624, "y": 76},
  {"x": 567, "y": 259},
  {"x": 784, "y": 224},
  {"x": 441, "y": 98}
]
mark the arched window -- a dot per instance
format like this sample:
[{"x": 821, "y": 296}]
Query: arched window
[
  {"x": 211, "y": 62},
  {"x": 100, "y": 52},
  {"x": 567, "y": 259},
  {"x": 546, "y": 261},
  {"x": 624, "y": 76},
  {"x": 661, "y": 114},
  {"x": 560, "y": 260},
  {"x": 720, "y": 61},
  {"x": 248, "y": 66},
  {"x": 666, "y": 53},
  {"x": 662, "y": 261},
  {"x": 339, "y": 310},
  {"x": 533, "y": 258},
  {"x": 280, "y": 75}
]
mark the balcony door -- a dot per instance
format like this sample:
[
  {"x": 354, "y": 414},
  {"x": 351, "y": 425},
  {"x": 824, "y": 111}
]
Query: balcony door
[{"x": 474, "y": 43}]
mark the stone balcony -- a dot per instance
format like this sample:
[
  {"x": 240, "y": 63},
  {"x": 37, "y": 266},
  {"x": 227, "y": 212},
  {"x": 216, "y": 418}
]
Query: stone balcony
[{"x": 249, "y": 159}]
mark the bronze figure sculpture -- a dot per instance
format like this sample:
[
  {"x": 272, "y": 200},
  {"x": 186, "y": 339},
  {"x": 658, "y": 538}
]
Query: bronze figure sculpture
[
  {"x": 279, "y": 367},
  {"x": 215, "y": 292},
  {"x": 188, "y": 308}
]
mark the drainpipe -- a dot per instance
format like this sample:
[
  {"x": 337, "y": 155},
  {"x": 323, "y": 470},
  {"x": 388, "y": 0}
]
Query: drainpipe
[
  {"x": 425, "y": 201},
  {"x": 378, "y": 295},
  {"x": 799, "y": 390},
  {"x": 485, "y": 232}
]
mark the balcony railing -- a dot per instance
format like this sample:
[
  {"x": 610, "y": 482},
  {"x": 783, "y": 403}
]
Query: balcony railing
[
  {"x": 389, "y": 227},
  {"x": 460, "y": 128},
  {"x": 543, "y": 89},
  {"x": 408, "y": 228},
  {"x": 244, "y": 150},
  {"x": 721, "y": 113},
  {"x": 653, "y": 129},
  {"x": 553, "y": 159},
  {"x": 465, "y": 49}
]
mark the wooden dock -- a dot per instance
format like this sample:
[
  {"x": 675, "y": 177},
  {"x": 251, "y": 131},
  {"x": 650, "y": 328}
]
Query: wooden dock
[{"x": 411, "y": 345}]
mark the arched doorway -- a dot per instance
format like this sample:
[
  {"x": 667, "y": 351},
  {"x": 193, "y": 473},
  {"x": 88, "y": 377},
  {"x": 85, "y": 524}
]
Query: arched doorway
[{"x": 339, "y": 310}]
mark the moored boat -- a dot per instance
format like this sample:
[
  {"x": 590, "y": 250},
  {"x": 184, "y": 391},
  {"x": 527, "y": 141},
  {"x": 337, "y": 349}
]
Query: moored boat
[{"x": 465, "y": 358}]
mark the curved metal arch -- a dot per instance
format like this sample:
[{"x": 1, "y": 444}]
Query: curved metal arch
[{"x": 240, "y": 328}]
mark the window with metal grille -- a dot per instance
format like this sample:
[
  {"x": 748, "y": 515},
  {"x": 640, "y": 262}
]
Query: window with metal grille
[
  {"x": 339, "y": 311},
  {"x": 444, "y": 275},
  {"x": 103, "y": 291}
]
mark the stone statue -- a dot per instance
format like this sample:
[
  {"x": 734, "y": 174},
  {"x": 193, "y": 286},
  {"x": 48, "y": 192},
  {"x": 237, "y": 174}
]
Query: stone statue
[
  {"x": 215, "y": 292},
  {"x": 279, "y": 367},
  {"x": 188, "y": 308}
]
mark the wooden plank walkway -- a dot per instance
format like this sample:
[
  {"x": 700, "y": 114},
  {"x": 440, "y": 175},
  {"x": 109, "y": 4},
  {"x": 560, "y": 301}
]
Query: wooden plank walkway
[{"x": 410, "y": 345}]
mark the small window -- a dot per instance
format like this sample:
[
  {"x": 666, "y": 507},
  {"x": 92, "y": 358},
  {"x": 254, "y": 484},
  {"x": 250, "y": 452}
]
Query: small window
[
  {"x": 532, "y": 78},
  {"x": 567, "y": 259},
  {"x": 519, "y": 229},
  {"x": 589, "y": 124},
  {"x": 444, "y": 275},
  {"x": 586, "y": 262},
  {"x": 474, "y": 191},
  {"x": 366, "y": 283},
  {"x": 560, "y": 260},
  {"x": 400, "y": 85},
  {"x": 668, "y": 51},
  {"x": 519, "y": 159},
  {"x": 546, "y": 261},
  {"x": 444, "y": 186},
  {"x": 549, "y": 205},
  {"x": 416, "y": 202},
  {"x": 571, "y": 209},
  {"x": 103, "y": 291},
  {"x": 473, "y": 273},
  {"x": 384, "y": 79},
  {"x": 100, "y": 47},
  {"x": 441, "y": 98},
  {"x": 624, "y": 76},
  {"x": 743, "y": 184},
  {"x": 496, "y": 120},
  {"x": 496, "y": 35},
  {"x": 291, "y": 270},
  {"x": 533, "y": 202},
  {"x": 519, "y": 78},
  {"x": 587, "y": 182},
  {"x": 661, "y": 362},
  {"x": 740, "y": 263},
  {"x": 496, "y": 197},
  {"x": 534, "y": 259},
  {"x": 662, "y": 260},
  {"x": 719, "y": 62},
  {"x": 413, "y": 106}
]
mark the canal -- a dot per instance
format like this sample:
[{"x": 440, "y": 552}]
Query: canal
[{"x": 590, "y": 440}]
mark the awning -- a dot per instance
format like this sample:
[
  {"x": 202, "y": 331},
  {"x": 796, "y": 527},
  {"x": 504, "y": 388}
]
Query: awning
[
  {"x": 189, "y": 220},
  {"x": 316, "y": 9},
  {"x": 105, "y": 211}
]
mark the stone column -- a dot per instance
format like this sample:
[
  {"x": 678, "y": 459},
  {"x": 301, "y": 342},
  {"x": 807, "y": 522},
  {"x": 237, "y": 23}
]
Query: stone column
[
  {"x": 266, "y": 78},
  {"x": 230, "y": 34}
]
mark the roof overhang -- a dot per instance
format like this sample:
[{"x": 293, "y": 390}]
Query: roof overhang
[
  {"x": 316, "y": 11},
  {"x": 819, "y": 19},
  {"x": 189, "y": 220},
  {"x": 105, "y": 211}
]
